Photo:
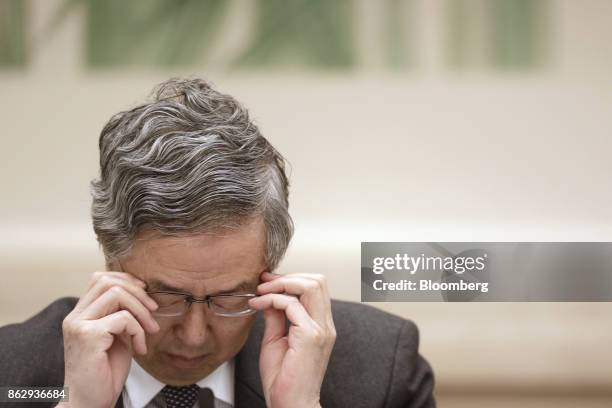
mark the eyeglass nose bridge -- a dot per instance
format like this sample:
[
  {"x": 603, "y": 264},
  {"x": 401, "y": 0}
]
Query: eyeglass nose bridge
[{"x": 190, "y": 300}]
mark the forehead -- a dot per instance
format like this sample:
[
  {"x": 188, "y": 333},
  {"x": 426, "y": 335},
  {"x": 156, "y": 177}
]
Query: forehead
[{"x": 201, "y": 263}]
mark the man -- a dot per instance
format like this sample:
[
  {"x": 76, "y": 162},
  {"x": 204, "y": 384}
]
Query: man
[{"x": 191, "y": 212}]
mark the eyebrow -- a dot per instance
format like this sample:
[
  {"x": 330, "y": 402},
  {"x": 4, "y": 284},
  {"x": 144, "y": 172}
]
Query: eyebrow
[{"x": 157, "y": 285}]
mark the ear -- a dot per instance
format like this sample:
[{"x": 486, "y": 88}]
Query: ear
[{"x": 114, "y": 266}]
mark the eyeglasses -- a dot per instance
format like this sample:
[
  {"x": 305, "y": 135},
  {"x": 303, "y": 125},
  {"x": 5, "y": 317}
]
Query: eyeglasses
[{"x": 172, "y": 304}]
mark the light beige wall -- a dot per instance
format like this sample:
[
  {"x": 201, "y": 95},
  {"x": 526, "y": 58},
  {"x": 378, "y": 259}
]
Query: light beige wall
[{"x": 424, "y": 155}]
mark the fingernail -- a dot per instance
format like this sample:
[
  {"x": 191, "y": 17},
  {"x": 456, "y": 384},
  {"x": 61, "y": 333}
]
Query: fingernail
[
  {"x": 253, "y": 300},
  {"x": 155, "y": 326},
  {"x": 152, "y": 304}
]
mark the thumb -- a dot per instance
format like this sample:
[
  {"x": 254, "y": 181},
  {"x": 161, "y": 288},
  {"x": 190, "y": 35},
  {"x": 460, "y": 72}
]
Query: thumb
[
  {"x": 275, "y": 325},
  {"x": 273, "y": 348}
]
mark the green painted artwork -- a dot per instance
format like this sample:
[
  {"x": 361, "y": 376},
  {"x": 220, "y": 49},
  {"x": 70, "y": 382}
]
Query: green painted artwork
[
  {"x": 12, "y": 33},
  {"x": 312, "y": 34}
]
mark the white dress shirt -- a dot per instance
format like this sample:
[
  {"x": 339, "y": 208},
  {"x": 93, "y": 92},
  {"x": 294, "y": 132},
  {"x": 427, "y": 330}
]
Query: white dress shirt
[{"x": 141, "y": 387}]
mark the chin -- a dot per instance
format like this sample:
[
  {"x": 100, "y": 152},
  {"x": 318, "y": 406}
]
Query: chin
[
  {"x": 180, "y": 379},
  {"x": 178, "y": 373}
]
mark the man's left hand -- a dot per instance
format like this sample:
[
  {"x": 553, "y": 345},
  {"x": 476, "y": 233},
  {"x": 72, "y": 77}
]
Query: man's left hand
[{"x": 293, "y": 363}]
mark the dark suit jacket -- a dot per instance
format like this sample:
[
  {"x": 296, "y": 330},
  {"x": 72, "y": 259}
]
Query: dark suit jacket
[{"x": 374, "y": 363}]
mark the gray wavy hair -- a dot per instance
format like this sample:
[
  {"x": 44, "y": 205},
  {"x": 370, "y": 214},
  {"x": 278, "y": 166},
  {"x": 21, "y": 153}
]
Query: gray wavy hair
[{"x": 189, "y": 161}]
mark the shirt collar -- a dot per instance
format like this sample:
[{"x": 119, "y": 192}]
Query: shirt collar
[
  {"x": 141, "y": 387},
  {"x": 221, "y": 382}
]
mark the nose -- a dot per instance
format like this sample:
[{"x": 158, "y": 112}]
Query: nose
[{"x": 193, "y": 328}]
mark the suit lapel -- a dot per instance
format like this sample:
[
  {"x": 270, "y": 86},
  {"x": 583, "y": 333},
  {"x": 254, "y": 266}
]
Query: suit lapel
[{"x": 248, "y": 389}]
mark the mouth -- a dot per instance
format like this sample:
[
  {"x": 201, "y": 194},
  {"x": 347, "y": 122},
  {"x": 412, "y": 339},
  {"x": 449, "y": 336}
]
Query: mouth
[{"x": 186, "y": 361}]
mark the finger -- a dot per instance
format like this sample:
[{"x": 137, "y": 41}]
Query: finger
[
  {"x": 311, "y": 292},
  {"x": 107, "y": 281},
  {"x": 121, "y": 275},
  {"x": 320, "y": 279},
  {"x": 322, "y": 282},
  {"x": 293, "y": 309},
  {"x": 314, "y": 276},
  {"x": 115, "y": 299},
  {"x": 268, "y": 276},
  {"x": 123, "y": 322}
]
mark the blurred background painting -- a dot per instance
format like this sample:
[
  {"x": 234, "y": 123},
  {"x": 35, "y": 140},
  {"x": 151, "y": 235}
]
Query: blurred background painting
[{"x": 403, "y": 120}]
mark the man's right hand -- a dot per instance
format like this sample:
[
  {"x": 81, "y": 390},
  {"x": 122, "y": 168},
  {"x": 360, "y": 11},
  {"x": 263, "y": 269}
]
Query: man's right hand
[{"x": 101, "y": 334}]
